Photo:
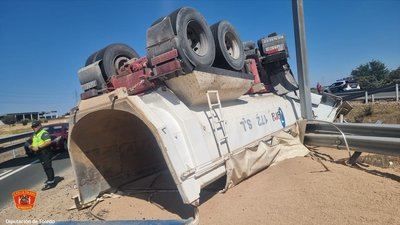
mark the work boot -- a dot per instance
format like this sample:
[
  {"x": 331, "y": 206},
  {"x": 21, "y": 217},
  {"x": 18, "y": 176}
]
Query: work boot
[
  {"x": 48, "y": 186},
  {"x": 49, "y": 181}
]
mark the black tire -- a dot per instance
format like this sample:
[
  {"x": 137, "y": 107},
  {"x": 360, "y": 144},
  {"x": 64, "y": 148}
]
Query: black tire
[
  {"x": 229, "y": 48},
  {"x": 113, "y": 57},
  {"x": 194, "y": 38},
  {"x": 91, "y": 59}
]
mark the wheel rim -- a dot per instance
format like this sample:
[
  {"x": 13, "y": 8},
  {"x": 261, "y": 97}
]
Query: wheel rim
[
  {"x": 197, "y": 38},
  {"x": 231, "y": 45},
  {"x": 120, "y": 61}
]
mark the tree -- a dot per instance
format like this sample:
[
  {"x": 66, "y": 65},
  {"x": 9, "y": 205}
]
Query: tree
[
  {"x": 9, "y": 119},
  {"x": 394, "y": 76},
  {"x": 25, "y": 122},
  {"x": 371, "y": 75}
]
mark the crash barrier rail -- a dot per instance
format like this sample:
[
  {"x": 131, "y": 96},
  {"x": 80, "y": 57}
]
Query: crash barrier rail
[
  {"x": 350, "y": 95},
  {"x": 372, "y": 138},
  {"x": 15, "y": 141}
]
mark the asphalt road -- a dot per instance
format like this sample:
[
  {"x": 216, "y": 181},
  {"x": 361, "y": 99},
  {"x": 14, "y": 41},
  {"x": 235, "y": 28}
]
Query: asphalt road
[{"x": 25, "y": 173}]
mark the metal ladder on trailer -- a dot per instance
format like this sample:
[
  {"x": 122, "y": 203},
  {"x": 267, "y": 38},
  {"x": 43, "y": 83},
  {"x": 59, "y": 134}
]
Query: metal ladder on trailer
[{"x": 217, "y": 120}]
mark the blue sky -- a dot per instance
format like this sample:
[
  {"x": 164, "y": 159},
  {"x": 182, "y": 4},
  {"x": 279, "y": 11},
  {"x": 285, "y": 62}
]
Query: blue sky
[{"x": 44, "y": 43}]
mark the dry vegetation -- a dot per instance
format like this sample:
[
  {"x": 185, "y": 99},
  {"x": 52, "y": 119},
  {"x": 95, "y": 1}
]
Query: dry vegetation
[
  {"x": 382, "y": 161},
  {"x": 386, "y": 112},
  {"x": 19, "y": 128}
]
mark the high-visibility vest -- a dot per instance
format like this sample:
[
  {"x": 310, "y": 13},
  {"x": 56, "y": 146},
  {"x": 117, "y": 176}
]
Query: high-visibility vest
[{"x": 37, "y": 138}]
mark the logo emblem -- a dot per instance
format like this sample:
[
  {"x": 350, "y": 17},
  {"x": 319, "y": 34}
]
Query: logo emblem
[
  {"x": 24, "y": 199},
  {"x": 279, "y": 116}
]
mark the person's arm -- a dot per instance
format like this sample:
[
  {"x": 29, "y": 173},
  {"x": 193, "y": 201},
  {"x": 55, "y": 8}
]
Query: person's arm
[
  {"x": 45, "y": 144},
  {"x": 30, "y": 146},
  {"x": 47, "y": 140}
]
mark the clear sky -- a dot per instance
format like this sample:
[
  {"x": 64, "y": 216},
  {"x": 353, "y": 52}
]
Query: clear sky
[{"x": 44, "y": 43}]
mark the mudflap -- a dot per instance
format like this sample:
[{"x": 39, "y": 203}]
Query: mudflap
[{"x": 281, "y": 78}]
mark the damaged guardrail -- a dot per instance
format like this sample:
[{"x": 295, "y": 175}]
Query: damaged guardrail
[{"x": 373, "y": 138}]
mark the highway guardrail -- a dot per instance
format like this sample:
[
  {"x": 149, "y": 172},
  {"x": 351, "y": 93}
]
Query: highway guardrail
[
  {"x": 372, "y": 138},
  {"x": 12, "y": 139}
]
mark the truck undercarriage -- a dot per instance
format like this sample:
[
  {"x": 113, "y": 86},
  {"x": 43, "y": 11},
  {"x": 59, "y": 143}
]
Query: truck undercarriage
[{"x": 198, "y": 97}]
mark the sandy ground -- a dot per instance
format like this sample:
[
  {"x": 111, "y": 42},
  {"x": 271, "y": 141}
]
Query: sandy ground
[{"x": 295, "y": 191}]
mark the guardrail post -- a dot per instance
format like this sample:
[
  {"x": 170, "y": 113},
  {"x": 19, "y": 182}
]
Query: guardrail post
[
  {"x": 366, "y": 97},
  {"x": 372, "y": 98},
  {"x": 14, "y": 155},
  {"x": 397, "y": 92},
  {"x": 341, "y": 118}
]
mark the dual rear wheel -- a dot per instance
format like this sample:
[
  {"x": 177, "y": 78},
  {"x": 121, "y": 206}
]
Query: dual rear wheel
[
  {"x": 229, "y": 47},
  {"x": 198, "y": 45},
  {"x": 202, "y": 46}
]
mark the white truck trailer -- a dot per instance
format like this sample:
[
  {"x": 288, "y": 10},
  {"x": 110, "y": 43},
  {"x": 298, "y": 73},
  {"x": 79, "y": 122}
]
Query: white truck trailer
[{"x": 197, "y": 98}]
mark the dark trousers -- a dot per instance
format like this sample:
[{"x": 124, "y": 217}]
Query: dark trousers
[{"x": 45, "y": 160}]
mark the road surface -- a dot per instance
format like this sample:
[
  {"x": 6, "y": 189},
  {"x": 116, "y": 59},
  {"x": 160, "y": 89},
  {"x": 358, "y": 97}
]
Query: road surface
[{"x": 25, "y": 173}]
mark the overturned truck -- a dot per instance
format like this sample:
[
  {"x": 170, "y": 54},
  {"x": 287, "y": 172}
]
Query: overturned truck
[{"x": 199, "y": 96}]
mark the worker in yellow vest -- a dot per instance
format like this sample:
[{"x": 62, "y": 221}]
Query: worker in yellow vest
[{"x": 41, "y": 146}]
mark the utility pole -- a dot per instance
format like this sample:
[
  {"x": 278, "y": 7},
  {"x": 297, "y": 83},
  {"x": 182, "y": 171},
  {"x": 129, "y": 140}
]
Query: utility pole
[{"x": 301, "y": 56}]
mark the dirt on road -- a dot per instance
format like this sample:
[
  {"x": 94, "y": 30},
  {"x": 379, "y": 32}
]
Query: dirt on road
[{"x": 295, "y": 191}]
